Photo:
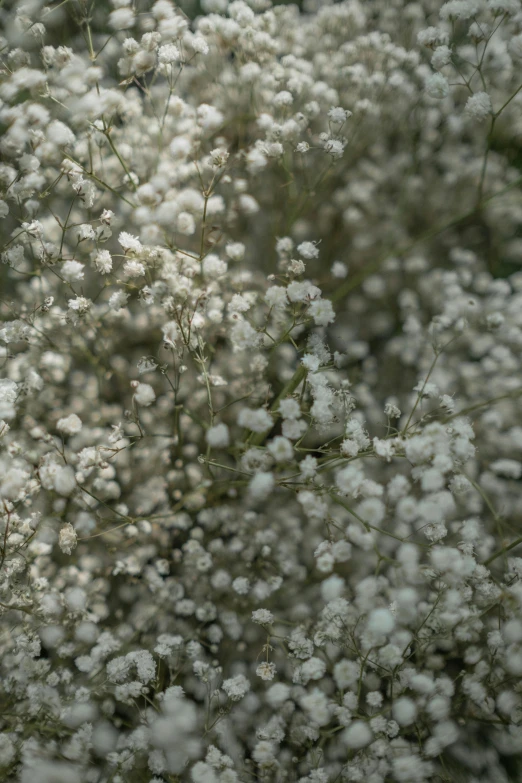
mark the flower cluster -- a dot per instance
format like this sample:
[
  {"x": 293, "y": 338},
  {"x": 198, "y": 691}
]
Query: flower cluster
[{"x": 260, "y": 393}]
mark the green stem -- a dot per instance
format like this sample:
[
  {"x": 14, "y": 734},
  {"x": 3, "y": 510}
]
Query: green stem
[{"x": 502, "y": 551}]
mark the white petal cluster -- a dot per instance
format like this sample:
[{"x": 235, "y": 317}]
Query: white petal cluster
[{"x": 260, "y": 385}]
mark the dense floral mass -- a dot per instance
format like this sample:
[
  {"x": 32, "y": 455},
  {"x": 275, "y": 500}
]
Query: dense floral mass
[{"x": 261, "y": 392}]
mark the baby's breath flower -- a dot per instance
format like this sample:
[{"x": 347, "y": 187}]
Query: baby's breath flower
[
  {"x": 129, "y": 243},
  {"x": 262, "y": 616},
  {"x": 266, "y": 671},
  {"x": 69, "y": 425},
  {"x": 68, "y": 539},
  {"x": 478, "y": 106},
  {"x": 236, "y": 687},
  {"x": 174, "y": 204},
  {"x": 144, "y": 394}
]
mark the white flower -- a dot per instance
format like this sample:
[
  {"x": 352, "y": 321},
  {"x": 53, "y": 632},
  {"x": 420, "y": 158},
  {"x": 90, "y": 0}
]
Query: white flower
[
  {"x": 121, "y": 18},
  {"x": 146, "y": 364},
  {"x": 107, "y": 216},
  {"x": 478, "y": 106},
  {"x": 199, "y": 44},
  {"x": 235, "y": 251},
  {"x": 339, "y": 270},
  {"x": 85, "y": 231},
  {"x": 244, "y": 336},
  {"x": 381, "y": 621},
  {"x": 13, "y": 483},
  {"x": 441, "y": 57},
  {"x": 186, "y": 224},
  {"x": 218, "y": 436},
  {"x": 281, "y": 449},
  {"x": 313, "y": 669},
  {"x": 283, "y": 98},
  {"x": 460, "y": 9},
  {"x": 509, "y": 468},
  {"x": 144, "y": 394},
  {"x": 437, "y": 86},
  {"x": 68, "y": 539},
  {"x": 133, "y": 268},
  {"x": 261, "y": 485},
  {"x": 357, "y": 735},
  {"x": 301, "y": 291},
  {"x": 432, "y": 37},
  {"x": 80, "y": 304},
  {"x": 276, "y": 296},
  {"x": 103, "y": 262},
  {"x": 69, "y": 425},
  {"x": 308, "y": 466},
  {"x": 404, "y": 711},
  {"x": 168, "y": 54},
  {"x": 262, "y": 616},
  {"x": 65, "y": 481},
  {"x": 219, "y": 157},
  {"x": 322, "y": 312},
  {"x": 290, "y": 409},
  {"x": 257, "y": 420},
  {"x": 213, "y": 267},
  {"x": 72, "y": 271},
  {"x": 311, "y": 362},
  {"x": 118, "y": 299},
  {"x": 266, "y": 670},
  {"x": 499, "y": 7},
  {"x": 130, "y": 244},
  {"x": 339, "y": 115},
  {"x": 308, "y": 250},
  {"x": 236, "y": 687},
  {"x": 264, "y": 753},
  {"x": 334, "y": 147}
]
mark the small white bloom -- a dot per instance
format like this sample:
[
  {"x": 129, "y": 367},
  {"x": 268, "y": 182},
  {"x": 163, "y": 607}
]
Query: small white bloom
[
  {"x": 308, "y": 250},
  {"x": 72, "y": 271},
  {"x": 257, "y": 420},
  {"x": 64, "y": 481},
  {"x": 213, "y": 267},
  {"x": 322, "y": 312},
  {"x": 266, "y": 670},
  {"x": 144, "y": 394},
  {"x": 281, "y": 449},
  {"x": 133, "y": 268},
  {"x": 478, "y": 106},
  {"x": 235, "y": 251},
  {"x": 218, "y": 436},
  {"x": 103, "y": 262},
  {"x": 437, "y": 86},
  {"x": 381, "y": 621},
  {"x": 236, "y": 687},
  {"x": 129, "y": 243},
  {"x": 219, "y": 157},
  {"x": 262, "y": 616},
  {"x": 168, "y": 54},
  {"x": 118, "y": 299},
  {"x": 357, "y": 735},
  {"x": 338, "y": 114},
  {"x": 339, "y": 270},
  {"x": 121, "y": 18},
  {"x": 80, "y": 304},
  {"x": 261, "y": 485},
  {"x": 69, "y": 425}
]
